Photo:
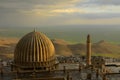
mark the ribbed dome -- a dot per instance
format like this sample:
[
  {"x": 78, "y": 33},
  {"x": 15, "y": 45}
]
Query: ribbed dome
[{"x": 34, "y": 49}]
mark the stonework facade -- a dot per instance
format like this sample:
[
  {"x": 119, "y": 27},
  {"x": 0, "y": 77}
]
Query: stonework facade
[{"x": 34, "y": 50}]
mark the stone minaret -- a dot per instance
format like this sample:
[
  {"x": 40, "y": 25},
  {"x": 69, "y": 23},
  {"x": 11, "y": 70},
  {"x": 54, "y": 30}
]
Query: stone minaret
[{"x": 88, "y": 55}]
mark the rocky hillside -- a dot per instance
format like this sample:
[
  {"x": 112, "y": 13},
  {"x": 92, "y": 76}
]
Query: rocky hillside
[
  {"x": 63, "y": 48},
  {"x": 101, "y": 48},
  {"x": 105, "y": 47},
  {"x": 7, "y": 46}
]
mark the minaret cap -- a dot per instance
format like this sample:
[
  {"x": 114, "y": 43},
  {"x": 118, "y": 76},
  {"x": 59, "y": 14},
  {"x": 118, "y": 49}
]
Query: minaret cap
[{"x": 88, "y": 38}]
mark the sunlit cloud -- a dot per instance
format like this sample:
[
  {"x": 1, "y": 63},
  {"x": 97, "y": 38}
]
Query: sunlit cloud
[
  {"x": 51, "y": 12},
  {"x": 102, "y": 9},
  {"x": 69, "y": 10}
]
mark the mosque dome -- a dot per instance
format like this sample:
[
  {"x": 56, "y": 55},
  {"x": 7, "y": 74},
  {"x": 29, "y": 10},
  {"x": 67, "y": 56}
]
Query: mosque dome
[{"x": 34, "y": 50}]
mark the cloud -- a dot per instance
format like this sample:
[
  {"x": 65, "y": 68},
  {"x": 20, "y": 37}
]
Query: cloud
[
  {"x": 32, "y": 3},
  {"x": 111, "y": 21},
  {"x": 105, "y": 2},
  {"x": 99, "y": 2},
  {"x": 34, "y": 6},
  {"x": 68, "y": 10},
  {"x": 51, "y": 12}
]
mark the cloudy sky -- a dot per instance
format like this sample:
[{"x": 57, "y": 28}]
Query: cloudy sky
[{"x": 59, "y": 12}]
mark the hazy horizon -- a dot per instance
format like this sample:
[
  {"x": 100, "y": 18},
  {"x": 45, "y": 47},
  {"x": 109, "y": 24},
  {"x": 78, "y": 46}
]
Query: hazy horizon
[{"x": 74, "y": 34}]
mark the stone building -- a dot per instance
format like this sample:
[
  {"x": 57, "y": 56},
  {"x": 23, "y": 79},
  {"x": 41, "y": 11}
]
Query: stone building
[
  {"x": 34, "y": 51},
  {"x": 98, "y": 62}
]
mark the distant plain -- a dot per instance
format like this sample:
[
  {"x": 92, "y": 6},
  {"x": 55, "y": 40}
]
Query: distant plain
[{"x": 73, "y": 36}]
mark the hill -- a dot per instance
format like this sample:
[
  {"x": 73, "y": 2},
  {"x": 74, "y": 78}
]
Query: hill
[
  {"x": 61, "y": 47},
  {"x": 101, "y": 48}
]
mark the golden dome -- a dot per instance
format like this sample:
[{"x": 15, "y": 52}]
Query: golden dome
[{"x": 34, "y": 50}]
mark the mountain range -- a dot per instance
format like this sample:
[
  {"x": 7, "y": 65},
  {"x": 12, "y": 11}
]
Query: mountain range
[
  {"x": 63, "y": 48},
  {"x": 101, "y": 48}
]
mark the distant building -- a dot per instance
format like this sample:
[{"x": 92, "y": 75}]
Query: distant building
[{"x": 98, "y": 62}]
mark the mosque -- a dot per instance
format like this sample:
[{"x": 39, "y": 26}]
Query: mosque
[
  {"x": 34, "y": 51},
  {"x": 34, "y": 59}
]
